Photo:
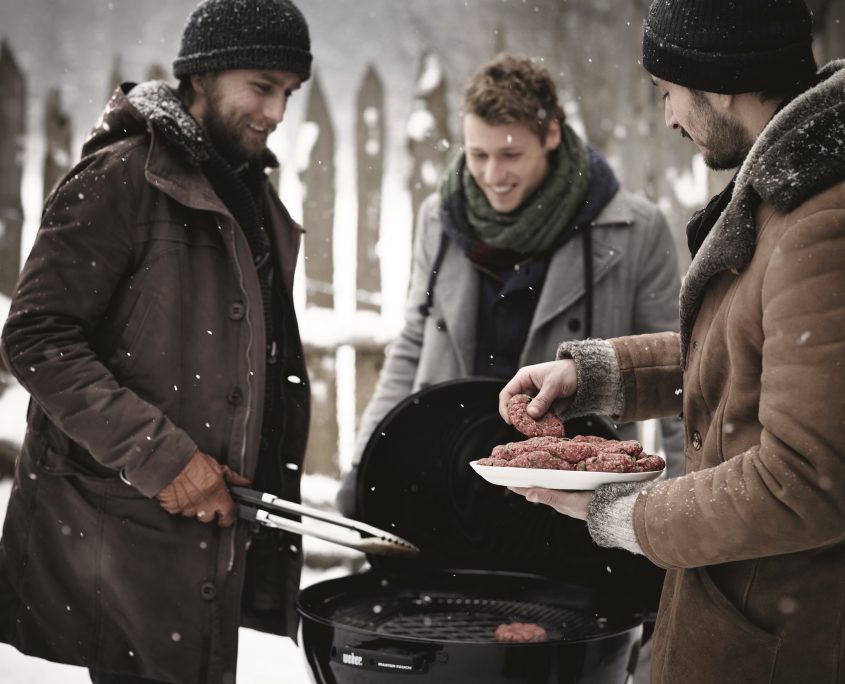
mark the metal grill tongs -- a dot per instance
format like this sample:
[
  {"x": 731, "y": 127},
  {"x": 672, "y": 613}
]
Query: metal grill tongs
[{"x": 256, "y": 506}]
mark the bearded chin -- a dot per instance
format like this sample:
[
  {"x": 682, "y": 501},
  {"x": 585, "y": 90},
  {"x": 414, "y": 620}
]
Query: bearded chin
[
  {"x": 730, "y": 143},
  {"x": 722, "y": 163},
  {"x": 224, "y": 139},
  {"x": 730, "y": 154}
]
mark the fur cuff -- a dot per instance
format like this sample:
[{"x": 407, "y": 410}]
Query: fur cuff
[
  {"x": 610, "y": 516},
  {"x": 599, "y": 379}
]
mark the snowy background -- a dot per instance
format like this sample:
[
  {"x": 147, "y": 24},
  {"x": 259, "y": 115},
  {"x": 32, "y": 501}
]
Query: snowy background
[{"x": 590, "y": 46}]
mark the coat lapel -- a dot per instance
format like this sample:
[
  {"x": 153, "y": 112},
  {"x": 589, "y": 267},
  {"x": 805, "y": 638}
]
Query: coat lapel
[
  {"x": 182, "y": 181},
  {"x": 457, "y": 289},
  {"x": 729, "y": 246},
  {"x": 565, "y": 279},
  {"x": 564, "y": 283}
]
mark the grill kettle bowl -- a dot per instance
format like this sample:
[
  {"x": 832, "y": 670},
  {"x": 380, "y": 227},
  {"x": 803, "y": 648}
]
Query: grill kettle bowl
[{"x": 440, "y": 625}]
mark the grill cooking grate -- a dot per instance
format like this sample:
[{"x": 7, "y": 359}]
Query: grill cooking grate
[{"x": 450, "y": 617}]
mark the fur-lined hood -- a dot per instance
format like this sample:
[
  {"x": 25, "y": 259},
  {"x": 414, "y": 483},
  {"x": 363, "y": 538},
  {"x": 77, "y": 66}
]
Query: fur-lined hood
[
  {"x": 153, "y": 105},
  {"x": 799, "y": 154}
]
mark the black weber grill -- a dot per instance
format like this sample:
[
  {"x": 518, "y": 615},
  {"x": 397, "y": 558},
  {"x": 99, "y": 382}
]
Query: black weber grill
[{"x": 488, "y": 558}]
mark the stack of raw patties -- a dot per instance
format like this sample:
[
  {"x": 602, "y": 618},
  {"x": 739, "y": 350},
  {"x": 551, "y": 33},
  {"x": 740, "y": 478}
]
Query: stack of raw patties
[{"x": 546, "y": 447}]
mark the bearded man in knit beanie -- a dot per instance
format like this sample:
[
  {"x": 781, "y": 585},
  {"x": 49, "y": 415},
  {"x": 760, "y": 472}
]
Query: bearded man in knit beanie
[
  {"x": 154, "y": 327},
  {"x": 752, "y": 535}
]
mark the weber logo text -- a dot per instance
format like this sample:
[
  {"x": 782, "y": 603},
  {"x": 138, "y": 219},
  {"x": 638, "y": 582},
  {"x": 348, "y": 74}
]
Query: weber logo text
[{"x": 352, "y": 659}]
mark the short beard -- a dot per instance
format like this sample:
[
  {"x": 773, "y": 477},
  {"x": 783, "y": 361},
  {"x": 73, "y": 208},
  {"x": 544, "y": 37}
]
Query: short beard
[
  {"x": 223, "y": 139},
  {"x": 222, "y": 134},
  {"x": 732, "y": 147},
  {"x": 728, "y": 142}
]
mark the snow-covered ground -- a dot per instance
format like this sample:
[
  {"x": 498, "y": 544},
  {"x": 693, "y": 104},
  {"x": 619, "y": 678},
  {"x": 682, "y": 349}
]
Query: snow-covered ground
[{"x": 262, "y": 658}]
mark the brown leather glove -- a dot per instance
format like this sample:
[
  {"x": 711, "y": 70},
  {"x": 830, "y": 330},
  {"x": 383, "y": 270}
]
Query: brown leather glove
[{"x": 200, "y": 490}]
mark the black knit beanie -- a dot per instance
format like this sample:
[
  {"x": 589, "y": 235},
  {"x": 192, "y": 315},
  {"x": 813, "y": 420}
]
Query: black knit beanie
[
  {"x": 730, "y": 46},
  {"x": 244, "y": 34}
]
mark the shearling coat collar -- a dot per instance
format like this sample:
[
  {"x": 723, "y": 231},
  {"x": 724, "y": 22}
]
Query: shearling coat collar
[{"x": 800, "y": 153}]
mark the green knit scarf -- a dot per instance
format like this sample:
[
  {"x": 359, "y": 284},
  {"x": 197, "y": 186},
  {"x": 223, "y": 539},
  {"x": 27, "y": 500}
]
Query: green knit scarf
[{"x": 535, "y": 226}]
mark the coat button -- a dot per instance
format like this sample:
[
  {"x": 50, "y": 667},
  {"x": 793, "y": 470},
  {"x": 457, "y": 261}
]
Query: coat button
[
  {"x": 235, "y": 396},
  {"x": 441, "y": 325},
  {"x": 696, "y": 440},
  {"x": 236, "y": 311},
  {"x": 208, "y": 591},
  {"x": 574, "y": 325}
]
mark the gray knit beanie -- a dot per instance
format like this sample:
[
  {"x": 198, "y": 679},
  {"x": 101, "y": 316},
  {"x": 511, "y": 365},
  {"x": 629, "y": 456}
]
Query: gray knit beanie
[
  {"x": 244, "y": 34},
  {"x": 730, "y": 46}
]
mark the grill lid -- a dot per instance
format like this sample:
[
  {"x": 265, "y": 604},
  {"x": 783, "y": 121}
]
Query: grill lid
[{"x": 414, "y": 480}]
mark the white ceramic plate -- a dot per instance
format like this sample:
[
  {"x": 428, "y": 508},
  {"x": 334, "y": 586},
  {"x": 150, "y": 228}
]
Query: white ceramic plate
[{"x": 556, "y": 479}]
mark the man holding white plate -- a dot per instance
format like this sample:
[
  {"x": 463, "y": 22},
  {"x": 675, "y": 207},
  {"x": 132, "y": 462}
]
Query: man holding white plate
[{"x": 753, "y": 535}]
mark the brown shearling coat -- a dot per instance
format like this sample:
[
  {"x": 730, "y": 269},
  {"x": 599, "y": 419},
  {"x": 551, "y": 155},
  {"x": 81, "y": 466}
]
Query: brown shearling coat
[
  {"x": 138, "y": 329},
  {"x": 754, "y": 535}
]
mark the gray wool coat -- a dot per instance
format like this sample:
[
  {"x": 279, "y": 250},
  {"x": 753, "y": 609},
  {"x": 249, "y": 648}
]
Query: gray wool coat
[{"x": 636, "y": 291}]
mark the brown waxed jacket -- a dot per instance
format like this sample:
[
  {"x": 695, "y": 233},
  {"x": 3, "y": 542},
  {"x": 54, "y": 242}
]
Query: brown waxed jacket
[
  {"x": 138, "y": 329},
  {"x": 754, "y": 535}
]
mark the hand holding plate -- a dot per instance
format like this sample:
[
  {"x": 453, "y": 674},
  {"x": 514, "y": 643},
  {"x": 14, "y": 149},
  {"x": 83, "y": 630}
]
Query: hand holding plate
[{"x": 573, "y": 504}]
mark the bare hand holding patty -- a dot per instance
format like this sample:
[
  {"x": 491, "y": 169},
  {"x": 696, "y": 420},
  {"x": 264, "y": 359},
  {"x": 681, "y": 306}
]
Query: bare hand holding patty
[{"x": 553, "y": 382}]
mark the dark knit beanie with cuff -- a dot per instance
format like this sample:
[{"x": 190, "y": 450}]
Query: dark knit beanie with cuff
[
  {"x": 730, "y": 46},
  {"x": 245, "y": 34}
]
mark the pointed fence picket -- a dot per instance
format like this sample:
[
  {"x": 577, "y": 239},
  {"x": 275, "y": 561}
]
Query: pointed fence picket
[
  {"x": 369, "y": 148},
  {"x": 318, "y": 180},
  {"x": 12, "y": 122},
  {"x": 57, "y": 136},
  {"x": 429, "y": 140}
]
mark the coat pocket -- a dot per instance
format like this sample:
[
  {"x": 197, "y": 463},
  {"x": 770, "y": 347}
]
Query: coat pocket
[
  {"x": 702, "y": 637},
  {"x": 99, "y": 564},
  {"x": 57, "y": 454}
]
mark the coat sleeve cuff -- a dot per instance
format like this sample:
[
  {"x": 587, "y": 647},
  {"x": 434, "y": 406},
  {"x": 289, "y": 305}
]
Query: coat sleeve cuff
[
  {"x": 610, "y": 516},
  {"x": 159, "y": 469},
  {"x": 599, "y": 378}
]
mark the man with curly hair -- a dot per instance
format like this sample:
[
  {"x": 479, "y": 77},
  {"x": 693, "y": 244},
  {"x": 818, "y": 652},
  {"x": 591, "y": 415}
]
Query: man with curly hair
[{"x": 529, "y": 241}]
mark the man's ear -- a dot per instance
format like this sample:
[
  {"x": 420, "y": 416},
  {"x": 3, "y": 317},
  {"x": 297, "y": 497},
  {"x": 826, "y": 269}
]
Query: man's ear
[
  {"x": 198, "y": 83},
  {"x": 553, "y": 135},
  {"x": 724, "y": 101}
]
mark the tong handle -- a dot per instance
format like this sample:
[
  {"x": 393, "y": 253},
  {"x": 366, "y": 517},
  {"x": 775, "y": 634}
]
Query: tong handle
[
  {"x": 246, "y": 512},
  {"x": 380, "y": 546},
  {"x": 274, "y": 503}
]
